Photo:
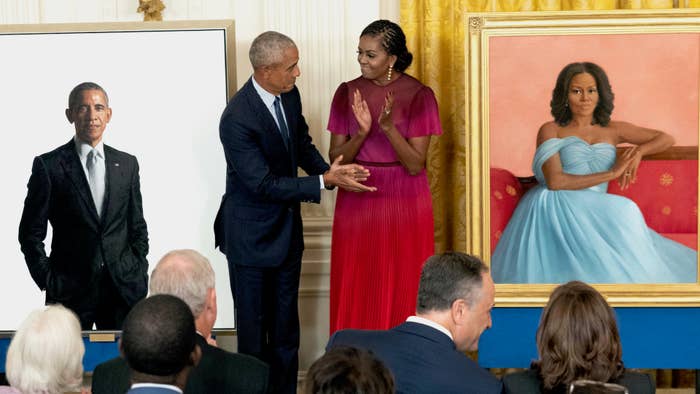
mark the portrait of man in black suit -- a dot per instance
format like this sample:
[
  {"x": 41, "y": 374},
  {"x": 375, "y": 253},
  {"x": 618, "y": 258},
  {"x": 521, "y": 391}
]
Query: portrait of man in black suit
[
  {"x": 266, "y": 139},
  {"x": 90, "y": 193}
]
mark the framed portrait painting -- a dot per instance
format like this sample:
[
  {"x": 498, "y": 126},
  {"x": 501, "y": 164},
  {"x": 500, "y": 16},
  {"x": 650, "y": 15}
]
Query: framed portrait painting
[
  {"x": 638, "y": 243},
  {"x": 167, "y": 83}
]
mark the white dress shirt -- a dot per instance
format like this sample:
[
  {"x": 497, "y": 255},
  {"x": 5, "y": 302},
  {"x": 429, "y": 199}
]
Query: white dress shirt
[
  {"x": 163, "y": 386},
  {"x": 83, "y": 148},
  {"x": 430, "y": 323}
]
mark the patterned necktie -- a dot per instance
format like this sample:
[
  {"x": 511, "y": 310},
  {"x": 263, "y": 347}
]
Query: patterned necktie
[
  {"x": 96, "y": 179},
  {"x": 282, "y": 124}
]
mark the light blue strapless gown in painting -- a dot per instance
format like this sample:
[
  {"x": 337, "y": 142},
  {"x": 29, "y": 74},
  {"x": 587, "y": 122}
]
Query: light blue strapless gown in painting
[{"x": 587, "y": 235}]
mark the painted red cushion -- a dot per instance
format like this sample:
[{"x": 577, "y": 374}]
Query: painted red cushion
[
  {"x": 666, "y": 191},
  {"x": 505, "y": 194}
]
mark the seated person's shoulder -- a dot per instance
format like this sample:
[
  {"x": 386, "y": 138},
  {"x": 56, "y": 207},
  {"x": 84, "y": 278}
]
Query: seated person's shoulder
[
  {"x": 616, "y": 124},
  {"x": 356, "y": 337},
  {"x": 547, "y": 131},
  {"x": 111, "y": 376},
  {"x": 483, "y": 376},
  {"x": 243, "y": 361},
  {"x": 237, "y": 372},
  {"x": 526, "y": 381},
  {"x": 637, "y": 382}
]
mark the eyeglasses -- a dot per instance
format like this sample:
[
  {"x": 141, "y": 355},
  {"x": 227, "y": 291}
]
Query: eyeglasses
[{"x": 583, "y": 386}]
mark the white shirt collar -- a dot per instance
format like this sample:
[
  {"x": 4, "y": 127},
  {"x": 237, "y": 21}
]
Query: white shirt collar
[
  {"x": 83, "y": 148},
  {"x": 430, "y": 323},
  {"x": 163, "y": 386},
  {"x": 267, "y": 97}
]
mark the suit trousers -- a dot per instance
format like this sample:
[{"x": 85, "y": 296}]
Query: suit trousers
[
  {"x": 267, "y": 317},
  {"x": 102, "y": 304}
]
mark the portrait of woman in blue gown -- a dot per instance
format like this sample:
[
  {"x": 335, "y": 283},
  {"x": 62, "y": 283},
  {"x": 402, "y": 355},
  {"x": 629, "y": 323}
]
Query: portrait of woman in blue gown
[{"x": 568, "y": 227}]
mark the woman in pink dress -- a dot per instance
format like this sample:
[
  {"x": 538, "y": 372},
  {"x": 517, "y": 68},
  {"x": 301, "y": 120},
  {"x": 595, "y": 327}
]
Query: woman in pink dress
[{"x": 382, "y": 120}]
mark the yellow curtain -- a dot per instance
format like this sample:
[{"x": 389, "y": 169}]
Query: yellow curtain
[{"x": 435, "y": 33}]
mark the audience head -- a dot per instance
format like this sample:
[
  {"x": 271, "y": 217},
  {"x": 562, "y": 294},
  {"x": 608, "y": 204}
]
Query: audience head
[
  {"x": 560, "y": 94},
  {"x": 456, "y": 289},
  {"x": 268, "y": 49},
  {"x": 392, "y": 39},
  {"x": 577, "y": 337},
  {"x": 187, "y": 274},
  {"x": 46, "y": 352},
  {"x": 348, "y": 370},
  {"x": 158, "y": 341}
]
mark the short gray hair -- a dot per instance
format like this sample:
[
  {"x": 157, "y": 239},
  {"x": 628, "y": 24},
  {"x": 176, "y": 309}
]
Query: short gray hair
[
  {"x": 267, "y": 49},
  {"x": 448, "y": 277},
  {"x": 46, "y": 352},
  {"x": 186, "y": 274}
]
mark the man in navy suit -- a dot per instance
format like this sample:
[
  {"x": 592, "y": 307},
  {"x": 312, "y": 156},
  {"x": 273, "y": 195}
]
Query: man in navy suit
[
  {"x": 266, "y": 140},
  {"x": 90, "y": 193},
  {"x": 159, "y": 344},
  {"x": 426, "y": 353}
]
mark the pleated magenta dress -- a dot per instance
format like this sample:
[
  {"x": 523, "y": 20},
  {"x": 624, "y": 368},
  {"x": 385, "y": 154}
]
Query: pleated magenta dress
[{"x": 381, "y": 239}]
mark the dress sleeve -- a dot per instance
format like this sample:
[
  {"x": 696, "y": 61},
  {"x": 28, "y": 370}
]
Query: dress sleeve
[
  {"x": 341, "y": 117},
  {"x": 543, "y": 152},
  {"x": 424, "y": 115}
]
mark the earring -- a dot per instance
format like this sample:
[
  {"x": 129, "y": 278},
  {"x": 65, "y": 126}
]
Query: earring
[
  {"x": 388, "y": 75},
  {"x": 566, "y": 105}
]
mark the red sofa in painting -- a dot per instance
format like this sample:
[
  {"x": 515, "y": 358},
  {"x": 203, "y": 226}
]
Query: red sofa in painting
[{"x": 666, "y": 192}]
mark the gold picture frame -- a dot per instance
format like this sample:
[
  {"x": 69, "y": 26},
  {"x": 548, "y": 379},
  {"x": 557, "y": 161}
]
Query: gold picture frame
[{"x": 486, "y": 31}]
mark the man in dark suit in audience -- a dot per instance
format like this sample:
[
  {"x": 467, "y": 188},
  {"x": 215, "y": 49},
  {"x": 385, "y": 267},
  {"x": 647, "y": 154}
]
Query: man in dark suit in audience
[
  {"x": 426, "y": 353},
  {"x": 159, "y": 344},
  {"x": 90, "y": 193},
  {"x": 266, "y": 140},
  {"x": 188, "y": 275}
]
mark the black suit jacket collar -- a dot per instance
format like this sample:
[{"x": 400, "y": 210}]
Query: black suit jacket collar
[
  {"x": 70, "y": 161},
  {"x": 426, "y": 332},
  {"x": 262, "y": 113}
]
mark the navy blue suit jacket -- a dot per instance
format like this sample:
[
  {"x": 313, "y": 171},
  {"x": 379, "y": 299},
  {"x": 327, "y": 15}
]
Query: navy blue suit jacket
[
  {"x": 58, "y": 192},
  {"x": 259, "y": 218},
  {"x": 422, "y": 359}
]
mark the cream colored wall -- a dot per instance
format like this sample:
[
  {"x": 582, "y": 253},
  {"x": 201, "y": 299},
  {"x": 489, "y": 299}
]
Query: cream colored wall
[{"x": 326, "y": 33}]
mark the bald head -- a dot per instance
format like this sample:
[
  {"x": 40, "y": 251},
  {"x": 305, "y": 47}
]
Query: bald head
[{"x": 185, "y": 274}]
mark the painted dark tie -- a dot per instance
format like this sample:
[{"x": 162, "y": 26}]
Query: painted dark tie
[{"x": 282, "y": 124}]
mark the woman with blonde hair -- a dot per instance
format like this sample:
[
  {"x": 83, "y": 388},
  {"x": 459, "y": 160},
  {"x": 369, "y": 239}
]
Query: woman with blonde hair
[
  {"x": 46, "y": 353},
  {"x": 577, "y": 339}
]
